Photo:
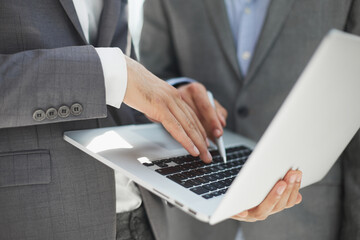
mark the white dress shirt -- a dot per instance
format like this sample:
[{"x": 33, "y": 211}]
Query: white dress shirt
[{"x": 115, "y": 75}]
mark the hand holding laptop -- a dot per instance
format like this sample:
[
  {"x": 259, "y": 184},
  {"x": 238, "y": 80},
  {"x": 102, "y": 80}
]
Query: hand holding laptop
[{"x": 285, "y": 194}]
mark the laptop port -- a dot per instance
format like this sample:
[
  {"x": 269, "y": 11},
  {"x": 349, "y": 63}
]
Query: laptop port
[
  {"x": 179, "y": 204},
  {"x": 160, "y": 193},
  {"x": 192, "y": 211}
]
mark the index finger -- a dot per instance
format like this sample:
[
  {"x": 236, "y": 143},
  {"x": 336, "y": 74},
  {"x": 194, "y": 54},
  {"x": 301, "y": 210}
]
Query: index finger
[{"x": 208, "y": 113}]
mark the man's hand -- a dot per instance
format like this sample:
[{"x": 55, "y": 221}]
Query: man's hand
[
  {"x": 195, "y": 95},
  {"x": 163, "y": 103},
  {"x": 285, "y": 194}
]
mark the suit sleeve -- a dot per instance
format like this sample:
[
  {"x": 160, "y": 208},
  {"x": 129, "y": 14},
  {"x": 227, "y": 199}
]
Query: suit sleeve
[
  {"x": 351, "y": 159},
  {"x": 49, "y": 86},
  {"x": 156, "y": 34}
]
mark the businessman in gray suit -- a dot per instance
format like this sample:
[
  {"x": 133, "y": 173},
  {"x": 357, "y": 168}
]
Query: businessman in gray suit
[
  {"x": 53, "y": 79},
  {"x": 249, "y": 54}
]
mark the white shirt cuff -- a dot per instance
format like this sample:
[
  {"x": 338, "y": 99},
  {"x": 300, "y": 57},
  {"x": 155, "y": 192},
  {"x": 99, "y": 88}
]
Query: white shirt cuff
[{"x": 115, "y": 74}]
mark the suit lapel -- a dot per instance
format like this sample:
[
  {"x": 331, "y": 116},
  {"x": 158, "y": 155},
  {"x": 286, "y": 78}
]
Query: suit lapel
[
  {"x": 108, "y": 22},
  {"x": 71, "y": 12},
  {"x": 276, "y": 16},
  {"x": 218, "y": 18}
]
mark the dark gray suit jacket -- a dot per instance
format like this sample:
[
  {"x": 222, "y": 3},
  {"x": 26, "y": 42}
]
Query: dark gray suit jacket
[
  {"x": 49, "y": 189},
  {"x": 192, "y": 38}
]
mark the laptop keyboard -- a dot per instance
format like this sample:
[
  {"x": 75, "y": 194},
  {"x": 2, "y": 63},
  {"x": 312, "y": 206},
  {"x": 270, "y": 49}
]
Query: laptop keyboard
[{"x": 207, "y": 180}]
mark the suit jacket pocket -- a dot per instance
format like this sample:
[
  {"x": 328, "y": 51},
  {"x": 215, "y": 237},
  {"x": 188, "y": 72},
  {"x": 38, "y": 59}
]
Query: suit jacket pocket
[{"x": 25, "y": 168}]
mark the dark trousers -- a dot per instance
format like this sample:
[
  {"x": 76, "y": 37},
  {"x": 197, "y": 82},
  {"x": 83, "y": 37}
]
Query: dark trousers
[{"x": 133, "y": 225}]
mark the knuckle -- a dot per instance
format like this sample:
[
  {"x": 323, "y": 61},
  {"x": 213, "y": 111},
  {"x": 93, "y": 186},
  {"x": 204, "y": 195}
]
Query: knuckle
[
  {"x": 214, "y": 123},
  {"x": 158, "y": 101},
  {"x": 159, "y": 112},
  {"x": 258, "y": 215},
  {"x": 225, "y": 112},
  {"x": 192, "y": 126},
  {"x": 204, "y": 106},
  {"x": 177, "y": 94},
  {"x": 197, "y": 87},
  {"x": 193, "y": 87}
]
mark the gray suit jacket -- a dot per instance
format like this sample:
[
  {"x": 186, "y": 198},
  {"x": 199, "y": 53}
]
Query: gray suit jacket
[
  {"x": 193, "y": 38},
  {"x": 48, "y": 189}
]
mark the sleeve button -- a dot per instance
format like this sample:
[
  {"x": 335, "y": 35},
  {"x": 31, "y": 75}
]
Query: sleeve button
[
  {"x": 64, "y": 111},
  {"x": 76, "y": 109},
  {"x": 39, "y": 115},
  {"x": 51, "y": 113}
]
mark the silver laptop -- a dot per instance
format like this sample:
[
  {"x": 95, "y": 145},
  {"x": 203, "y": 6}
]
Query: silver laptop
[{"x": 309, "y": 132}]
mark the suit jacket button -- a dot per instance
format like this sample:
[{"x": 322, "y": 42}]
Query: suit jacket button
[
  {"x": 243, "y": 111},
  {"x": 39, "y": 115},
  {"x": 64, "y": 111},
  {"x": 76, "y": 109},
  {"x": 51, "y": 113}
]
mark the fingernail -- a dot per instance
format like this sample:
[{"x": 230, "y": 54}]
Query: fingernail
[
  {"x": 280, "y": 190},
  {"x": 217, "y": 133},
  {"x": 293, "y": 178},
  {"x": 207, "y": 142},
  {"x": 209, "y": 156},
  {"x": 298, "y": 179},
  {"x": 196, "y": 150}
]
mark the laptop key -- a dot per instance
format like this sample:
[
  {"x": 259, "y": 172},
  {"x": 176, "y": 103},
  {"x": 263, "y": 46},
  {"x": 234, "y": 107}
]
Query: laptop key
[
  {"x": 234, "y": 164},
  {"x": 207, "y": 196},
  {"x": 198, "y": 173},
  {"x": 227, "y": 182},
  {"x": 168, "y": 170},
  {"x": 187, "y": 184},
  {"x": 210, "y": 177},
  {"x": 219, "y": 176},
  {"x": 199, "y": 190},
  {"x": 227, "y": 173},
  {"x": 217, "y": 193},
  {"x": 175, "y": 179},
  {"x": 210, "y": 187},
  {"x": 189, "y": 174},
  {"x": 218, "y": 185},
  {"x": 196, "y": 181},
  {"x": 148, "y": 164},
  {"x": 217, "y": 159},
  {"x": 201, "y": 179},
  {"x": 223, "y": 191},
  {"x": 203, "y": 170},
  {"x": 161, "y": 164},
  {"x": 180, "y": 176}
]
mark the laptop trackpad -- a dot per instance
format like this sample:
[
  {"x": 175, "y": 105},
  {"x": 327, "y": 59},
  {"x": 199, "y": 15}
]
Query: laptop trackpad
[{"x": 160, "y": 137}]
